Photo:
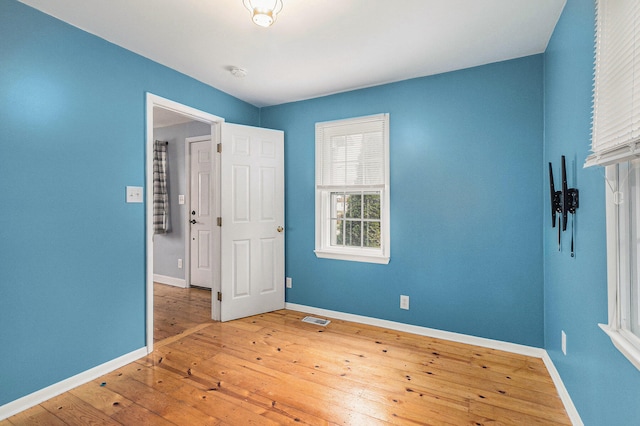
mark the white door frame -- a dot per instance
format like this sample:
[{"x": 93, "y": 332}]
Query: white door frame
[
  {"x": 215, "y": 231},
  {"x": 215, "y": 121}
]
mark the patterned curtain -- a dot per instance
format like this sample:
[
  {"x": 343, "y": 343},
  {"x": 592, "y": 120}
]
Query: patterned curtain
[{"x": 160, "y": 192}]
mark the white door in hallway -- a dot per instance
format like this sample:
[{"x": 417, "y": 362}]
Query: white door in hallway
[
  {"x": 252, "y": 233},
  {"x": 201, "y": 213}
]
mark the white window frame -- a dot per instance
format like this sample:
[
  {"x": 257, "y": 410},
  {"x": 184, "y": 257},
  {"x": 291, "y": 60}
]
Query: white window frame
[
  {"x": 323, "y": 247},
  {"x": 615, "y": 145},
  {"x": 620, "y": 255}
]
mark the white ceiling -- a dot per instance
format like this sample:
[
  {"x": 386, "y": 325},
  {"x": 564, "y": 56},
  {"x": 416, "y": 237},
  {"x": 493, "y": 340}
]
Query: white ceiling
[
  {"x": 164, "y": 118},
  {"x": 316, "y": 47}
]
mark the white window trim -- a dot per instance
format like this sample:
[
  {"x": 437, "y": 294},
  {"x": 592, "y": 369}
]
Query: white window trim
[
  {"x": 627, "y": 343},
  {"x": 621, "y": 341},
  {"x": 361, "y": 254}
]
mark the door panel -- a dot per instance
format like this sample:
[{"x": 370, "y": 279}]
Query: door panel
[
  {"x": 268, "y": 253},
  {"x": 241, "y": 193},
  {"x": 267, "y": 194},
  {"x": 252, "y": 241},
  {"x": 201, "y": 211},
  {"x": 204, "y": 254}
]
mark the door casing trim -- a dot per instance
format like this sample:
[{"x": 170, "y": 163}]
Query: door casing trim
[{"x": 215, "y": 122}]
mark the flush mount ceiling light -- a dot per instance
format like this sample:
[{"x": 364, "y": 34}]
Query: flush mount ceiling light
[{"x": 263, "y": 12}]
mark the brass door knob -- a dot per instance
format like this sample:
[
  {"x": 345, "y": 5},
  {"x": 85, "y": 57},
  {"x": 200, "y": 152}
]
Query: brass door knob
[{"x": 280, "y": 229}]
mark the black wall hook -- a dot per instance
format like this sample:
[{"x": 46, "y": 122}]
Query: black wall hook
[{"x": 563, "y": 203}]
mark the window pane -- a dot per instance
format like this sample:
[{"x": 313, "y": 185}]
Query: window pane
[
  {"x": 353, "y": 160},
  {"x": 337, "y": 205},
  {"x": 334, "y": 161},
  {"x": 634, "y": 255},
  {"x": 371, "y": 234},
  {"x": 337, "y": 232},
  {"x": 353, "y": 233},
  {"x": 353, "y": 206},
  {"x": 371, "y": 209}
]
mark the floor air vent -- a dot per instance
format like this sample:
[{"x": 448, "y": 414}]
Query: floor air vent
[{"x": 316, "y": 321}]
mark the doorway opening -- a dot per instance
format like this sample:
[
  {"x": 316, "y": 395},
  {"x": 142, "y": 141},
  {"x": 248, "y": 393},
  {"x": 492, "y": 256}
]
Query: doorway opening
[{"x": 160, "y": 110}]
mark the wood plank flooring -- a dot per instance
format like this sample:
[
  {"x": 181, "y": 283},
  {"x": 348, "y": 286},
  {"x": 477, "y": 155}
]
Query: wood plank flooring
[
  {"x": 178, "y": 309},
  {"x": 273, "y": 369}
]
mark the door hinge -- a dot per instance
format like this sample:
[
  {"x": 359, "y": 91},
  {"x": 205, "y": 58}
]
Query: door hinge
[
  {"x": 219, "y": 147},
  {"x": 219, "y": 296},
  {"x": 219, "y": 221}
]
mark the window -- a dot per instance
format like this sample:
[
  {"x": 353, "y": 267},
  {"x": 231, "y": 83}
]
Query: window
[
  {"x": 352, "y": 189},
  {"x": 616, "y": 146},
  {"x": 623, "y": 261}
]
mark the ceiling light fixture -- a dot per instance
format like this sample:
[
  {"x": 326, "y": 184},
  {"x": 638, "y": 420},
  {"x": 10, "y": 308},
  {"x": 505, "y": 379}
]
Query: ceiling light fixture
[{"x": 263, "y": 12}]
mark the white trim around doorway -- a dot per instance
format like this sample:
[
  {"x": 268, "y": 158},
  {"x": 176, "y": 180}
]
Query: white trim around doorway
[{"x": 215, "y": 121}]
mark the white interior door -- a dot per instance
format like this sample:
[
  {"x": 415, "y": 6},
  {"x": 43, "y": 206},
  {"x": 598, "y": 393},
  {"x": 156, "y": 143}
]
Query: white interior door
[
  {"x": 201, "y": 213},
  {"x": 252, "y": 208}
]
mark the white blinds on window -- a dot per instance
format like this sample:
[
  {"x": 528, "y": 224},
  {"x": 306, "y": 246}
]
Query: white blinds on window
[
  {"x": 616, "y": 102},
  {"x": 352, "y": 153}
]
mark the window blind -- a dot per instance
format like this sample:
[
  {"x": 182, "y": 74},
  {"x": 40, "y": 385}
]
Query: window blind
[
  {"x": 351, "y": 154},
  {"x": 616, "y": 99}
]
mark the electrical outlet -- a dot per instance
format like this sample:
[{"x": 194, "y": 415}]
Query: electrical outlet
[
  {"x": 288, "y": 282},
  {"x": 179, "y": 263},
  {"x": 564, "y": 342},
  {"x": 404, "y": 302}
]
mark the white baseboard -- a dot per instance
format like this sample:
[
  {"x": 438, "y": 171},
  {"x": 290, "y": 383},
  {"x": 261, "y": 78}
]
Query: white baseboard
[
  {"x": 531, "y": 351},
  {"x": 164, "y": 279},
  {"x": 572, "y": 412},
  {"x": 35, "y": 398},
  {"x": 423, "y": 331}
]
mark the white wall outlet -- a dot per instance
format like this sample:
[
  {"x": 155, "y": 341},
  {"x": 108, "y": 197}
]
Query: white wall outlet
[
  {"x": 288, "y": 282},
  {"x": 564, "y": 342},
  {"x": 179, "y": 263},
  {"x": 181, "y": 199},
  {"x": 134, "y": 194},
  {"x": 404, "y": 302}
]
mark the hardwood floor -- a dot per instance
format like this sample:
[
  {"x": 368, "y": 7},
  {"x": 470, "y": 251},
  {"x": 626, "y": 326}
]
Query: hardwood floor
[
  {"x": 178, "y": 309},
  {"x": 274, "y": 369}
]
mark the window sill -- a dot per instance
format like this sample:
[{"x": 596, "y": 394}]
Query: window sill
[
  {"x": 353, "y": 257},
  {"x": 623, "y": 344}
]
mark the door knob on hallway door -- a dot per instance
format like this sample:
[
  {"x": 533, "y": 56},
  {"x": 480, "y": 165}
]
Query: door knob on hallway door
[
  {"x": 280, "y": 229},
  {"x": 193, "y": 221}
]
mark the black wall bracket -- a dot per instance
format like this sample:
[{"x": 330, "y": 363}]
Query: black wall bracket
[{"x": 563, "y": 202}]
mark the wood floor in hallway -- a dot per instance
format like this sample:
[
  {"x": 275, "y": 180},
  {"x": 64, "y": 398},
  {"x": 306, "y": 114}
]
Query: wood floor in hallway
[{"x": 178, "y": 309}]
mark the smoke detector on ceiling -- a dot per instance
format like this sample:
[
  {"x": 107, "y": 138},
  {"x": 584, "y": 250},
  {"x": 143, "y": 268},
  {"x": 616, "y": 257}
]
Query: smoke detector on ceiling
[{"x": 238, "y": 72}]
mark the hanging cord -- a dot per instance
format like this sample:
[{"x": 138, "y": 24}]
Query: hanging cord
[
  {"x": 573, "y": 233},
  {"x": 632, "y": 166}
]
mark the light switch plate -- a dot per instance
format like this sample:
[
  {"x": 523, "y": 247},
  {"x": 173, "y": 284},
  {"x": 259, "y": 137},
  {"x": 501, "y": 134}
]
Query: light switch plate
[
  {"x": 134, "y": 194},
  {"x": 181, "y": 199}
]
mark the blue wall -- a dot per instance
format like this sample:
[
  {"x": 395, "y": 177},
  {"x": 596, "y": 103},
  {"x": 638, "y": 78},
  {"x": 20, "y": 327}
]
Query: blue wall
[
  {"x": 72, "y": 136},
  {"x": 466, "y": 209},
  {"x": 472, "y": 243},
  {"x": 604, "y": 386}
]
